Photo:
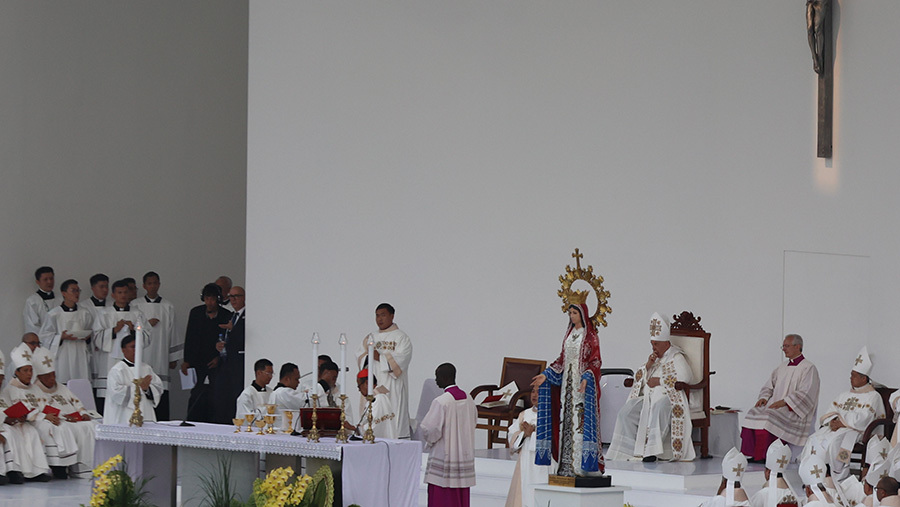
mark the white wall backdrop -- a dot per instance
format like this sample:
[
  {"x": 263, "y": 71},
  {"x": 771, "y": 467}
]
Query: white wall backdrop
[
  {"x": 447, "y": 157},
  {"x": 123, "y": 146}
]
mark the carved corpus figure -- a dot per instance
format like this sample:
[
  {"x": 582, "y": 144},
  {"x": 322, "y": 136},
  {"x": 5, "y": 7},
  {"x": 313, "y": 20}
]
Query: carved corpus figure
[{"x": 815, "y": 20}]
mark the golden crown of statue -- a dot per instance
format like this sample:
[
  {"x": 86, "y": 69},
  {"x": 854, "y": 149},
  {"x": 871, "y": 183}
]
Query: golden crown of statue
[{"x": 577, "y": 297}]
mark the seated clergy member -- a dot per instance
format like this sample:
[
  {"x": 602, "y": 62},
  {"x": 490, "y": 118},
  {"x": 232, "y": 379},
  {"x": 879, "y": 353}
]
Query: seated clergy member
[
  {"x": 382, "y": 408},
  {"x": 876, "y": 454},
  {"x": 886, "y": 491},
  {"x": 730, "y": 493},
  {"x": 22, "y": 437},
  {"x": 16, "y": 451},
  {"x": 786, "y": 406},
  {"x": 120, "y": 397},
  {"x": 655, "y": 422},
  {"x": 285, "y": 394},
  {"x": 256, "y": 394},
  {"x": 522, "y": 441},
  {"x": 65, "y": 333},
  {"x": 812, "y": 473},
  {"x": 328, "y": 390},
  {"x": 449, "y": 433},
  {"x": 777, "y": 491},
  {"x": 66, "y": 423},
  {"x": 847, "y": 418},
  {"x": 39, "y": 304}
]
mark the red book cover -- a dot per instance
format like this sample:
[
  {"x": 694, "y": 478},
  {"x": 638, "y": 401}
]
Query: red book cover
[
  {"x": 16, "y": 411},
  {"x": 74, "y": 416},
  {"x": 50, "y": 410},
  {"x": 491, "y": 399}
]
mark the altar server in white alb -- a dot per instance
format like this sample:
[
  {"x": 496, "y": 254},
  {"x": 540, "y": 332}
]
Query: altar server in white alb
[
  {"x": 730, "y": 493},
  {"x": 99, "y": 294},
  {"x": 165, "y": 346},
  {"x": 449, "y": 432},
  {"x": 522, "y": 441},
  {"x": 393, "y": 352},
  {"x": 39, "y": 304},
  {"x": 65, "y": 333},
  {"x": 66, "y": 420},
  {"x": 23, "y": 439},
  {"x": 777, "y": 491},
  {"x": 285, "y": 395},
  {"x": 655, "y": 422},
  {"x": 112, "y": 324},
  {"x": 120, "y": 394},
  {"x": 256, "y": 395},
  {"x": 812, "y": 473},
  {"x": 382, "y": 408},
  {"x": 847, "y": 418}
]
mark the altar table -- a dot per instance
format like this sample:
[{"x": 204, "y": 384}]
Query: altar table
[{"x": 382, "y": 474}]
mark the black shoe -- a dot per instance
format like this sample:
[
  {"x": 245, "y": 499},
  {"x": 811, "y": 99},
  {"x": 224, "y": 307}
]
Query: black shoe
[
  {"x": 3, "y": 480},
  {"x": 40, "y": 478},
  {"x": 60, "y": 473},
  {"x": 649, "y": 459},
  {"x": 15, "y": 477}
]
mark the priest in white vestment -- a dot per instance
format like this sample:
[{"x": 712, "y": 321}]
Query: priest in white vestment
[
  {"x": 522, "y": 441},
  {"x": 847, "y": 418},
  {"x": 730, "y": 493},
  {"x": 111, "y": 325},
  {"x": 39, "y": 304},
  {"x": 285, "y": 395},
  {"x": 120, "y": 393},
  {"x": 256, "y": 395},
  {"x": 812, "y": 473},
  {"x": 165, "y": 347},
  {"x": 777, "y": 491},
  {"x": 786, "y": 405},
  {"x": 382, "y": 408},
  {"x": 393, "y": 353},
  {"x": 71, "y": 422},
  {"x": 655, "y": 422},
  {"x": 65, "y": 333},
  {"x": 23, "y": 440},
  {"x": 449, "y": 433}
]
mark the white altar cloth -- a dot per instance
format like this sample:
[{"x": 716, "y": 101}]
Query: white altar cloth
[{"x": 382, "y": 474}]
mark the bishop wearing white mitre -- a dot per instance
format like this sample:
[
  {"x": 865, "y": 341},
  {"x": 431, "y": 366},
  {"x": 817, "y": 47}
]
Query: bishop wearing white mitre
[
  {"x": 812, "y": 473},
  {"x": 731, "y": 493},
  {"x": 655, "y": 421},
  {"x": 777, "y": 491},
  {"x": 847, "y": 418},
  {"x": 22, "y": 437}
]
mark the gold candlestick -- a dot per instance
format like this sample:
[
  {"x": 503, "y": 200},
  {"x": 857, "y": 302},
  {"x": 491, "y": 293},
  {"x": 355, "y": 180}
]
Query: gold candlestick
[
  {"x": 313, "y": 435},
  {"x": 137, "y": 419},
  {"x": 369, "y": 435},
  {"x": 342, "y": 436}
]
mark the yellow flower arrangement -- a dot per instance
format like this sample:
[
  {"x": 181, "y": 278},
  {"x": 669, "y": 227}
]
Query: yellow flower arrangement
[
  {"x": 113, "y": 486},
  {"x": 277, "y": 490}
]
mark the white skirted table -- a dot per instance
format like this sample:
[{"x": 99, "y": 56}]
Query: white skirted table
[
  {"x": 165, "y": 451},
  {"x": 556, "y": 496}
]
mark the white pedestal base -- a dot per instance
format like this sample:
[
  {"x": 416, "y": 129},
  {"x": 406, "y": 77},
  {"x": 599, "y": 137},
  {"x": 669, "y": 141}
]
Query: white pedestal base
[{"x": 556, "y": 496}]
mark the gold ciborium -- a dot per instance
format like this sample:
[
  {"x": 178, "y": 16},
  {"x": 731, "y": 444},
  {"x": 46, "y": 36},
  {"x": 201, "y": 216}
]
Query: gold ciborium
[
  {"x": 271, "y": 408},
  {"x": 238, "y": 422}
]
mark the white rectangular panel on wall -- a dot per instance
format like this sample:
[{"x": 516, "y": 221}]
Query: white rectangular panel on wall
[{"x": 826, "y": 301}]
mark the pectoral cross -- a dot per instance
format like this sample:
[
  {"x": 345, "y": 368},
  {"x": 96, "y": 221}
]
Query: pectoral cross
[
  {"x": 818, "y": 29},
  {"x": 816, "y": 471},
  {"x": 738, "y": 469},
  {"x": 578, "y": 258},
  {"x": 783, "y": 461}
]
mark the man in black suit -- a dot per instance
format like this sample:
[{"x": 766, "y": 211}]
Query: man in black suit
[
  {"x": 231, "y": 375},
  {"x": 206, "y": 328}
]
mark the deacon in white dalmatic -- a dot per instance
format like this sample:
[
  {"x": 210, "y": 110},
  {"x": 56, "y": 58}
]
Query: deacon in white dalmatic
[
  {"x": 39, "y": 304},
  {"x": 120, "y": 393},
  {"x": 522, "y": 442},
  {"x": 65, "y": 333},
  {"x": 393, "y": 352},
  {"x": 812, "y": 473},
  {"x": 23, "y": 440},
  {"x": 655, "y": 422},
  {"x": 777, "y": 490},
  {"x": 730, "y": 493},
  {"x": 66, "y": 421},
  {"x": 847, "y": 418}
]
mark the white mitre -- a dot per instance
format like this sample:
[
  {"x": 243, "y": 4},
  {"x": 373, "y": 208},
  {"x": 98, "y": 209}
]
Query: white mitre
[
  {"x": 876, "y": 472},
  {"x": 659, "y": 328},
  {"x": 43, "y": 363},
  {"x": 777, "y": 458},
  {"x": 21, "y": 356},
  {"x": 863, "y": 363},
  {"x": 734, "y": 464},
  {"x": 877, "y": 450},
  {"x": 812, "y": 473}
]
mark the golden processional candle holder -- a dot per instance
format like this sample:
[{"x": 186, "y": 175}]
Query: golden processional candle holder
[
  {"x": 342, "y": 436},
  {"x": 137, "y": 419},
  {"x": 369, "y": 435},
  {"x": 313, "y": 435}
]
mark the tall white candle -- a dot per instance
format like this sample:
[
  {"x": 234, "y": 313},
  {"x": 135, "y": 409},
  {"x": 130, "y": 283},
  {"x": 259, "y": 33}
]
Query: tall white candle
[
  {"x": 371, "y": 345},
  {"x": 343, "y": 376},
  {"x": 138, "y": 349},
  {"x": 315, "y": 361}
]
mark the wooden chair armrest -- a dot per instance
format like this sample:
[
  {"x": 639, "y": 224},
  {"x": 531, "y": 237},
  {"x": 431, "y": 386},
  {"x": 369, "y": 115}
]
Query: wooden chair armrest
[
  {"x": 490, "y": 388},
  {"x": 518, "y": 396},
  {"x": 628, "y": 382},
  {"x": 873, "y": 426},
  {"x": 687, "y": 388}
]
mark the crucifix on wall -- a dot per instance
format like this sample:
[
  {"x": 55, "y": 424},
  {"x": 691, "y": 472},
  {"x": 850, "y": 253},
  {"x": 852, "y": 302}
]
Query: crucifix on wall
[{"x": 818, "y": 32}]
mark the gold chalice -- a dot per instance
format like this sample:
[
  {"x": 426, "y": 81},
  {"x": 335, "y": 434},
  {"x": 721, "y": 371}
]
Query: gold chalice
[
  {"x": 249, "y": 418},
  {"x": 238, "y": 422},
  {"x": 270, "y": 422},
  {"x": 289, "y": 417},
  {"x": 260, "y": 424},
  {"x": 270, "y": 408}
]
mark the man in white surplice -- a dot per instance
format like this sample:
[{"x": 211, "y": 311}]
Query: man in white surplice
[
  {"x": 120, "y": 397},
  {"x": 655, "y": 422},
  {"x": 847, "y": 418},
  {"x": 65, "y": 333},
  {"x": 393, "y": 352},
  {"x": 39, "y": 304},
  {"x": 165, "y": 346}
]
